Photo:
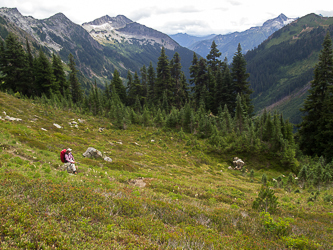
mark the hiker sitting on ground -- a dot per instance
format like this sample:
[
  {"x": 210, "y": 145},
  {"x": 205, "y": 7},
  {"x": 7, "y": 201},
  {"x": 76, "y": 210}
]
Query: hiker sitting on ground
[{"x": 69, "y": 159}]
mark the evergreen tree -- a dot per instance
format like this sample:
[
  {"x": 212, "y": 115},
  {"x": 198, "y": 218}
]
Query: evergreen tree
[
  {"x": 151, "y": 78},
  {"x": 225, "y": 93},
  {"x": 134, "y": 90},
  {"x": 176, "y": 77},
  {"x": 240, "y": 117},
  {"x": 184, "y": 91},
  {"x": 194, "y": 69},
  {"x": 144, "y": 85},
  {"x": 239, "y": 77},
  {"x": 30, "y": 70},
  {"x": 59, "y": 75},
  {"x": 119, "y": 87},
  {"x": 14, "y": 65},
  {"x": 212, "y": 58},
  {"x": 200, "y": 82},
  {"x": 316, "y": 126},
  {"x": 75, "y": 86},
  {"x": 163, "y": 81},
  {"x": 44, "y": 78},
  {"x": 210, "y": 97},
  {"x": 266, "y": 200}
]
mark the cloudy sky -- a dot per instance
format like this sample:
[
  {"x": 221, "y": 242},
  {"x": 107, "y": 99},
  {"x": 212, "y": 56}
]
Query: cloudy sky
[{"x": 195, "y": 17}]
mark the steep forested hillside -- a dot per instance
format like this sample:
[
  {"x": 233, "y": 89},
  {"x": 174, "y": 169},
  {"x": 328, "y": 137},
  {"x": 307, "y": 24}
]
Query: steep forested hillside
[{"x": 282, "y": 66}]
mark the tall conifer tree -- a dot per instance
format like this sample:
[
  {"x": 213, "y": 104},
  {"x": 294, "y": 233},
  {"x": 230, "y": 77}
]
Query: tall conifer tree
[
  {"x": 213, "y": 61},
  {"x": 45, "y": 81},
  {"x": 163, "y": 82},
  {"x": 316, "y": 126},
  {"x": 151, "y": 78},
  {"x": 118, "y": 84},
  {"x": 14, "y": 65},
  {"x": 59, "y": 75},
  {"x": 75, "y": 86},
  {"x": 239, "y": 77}
]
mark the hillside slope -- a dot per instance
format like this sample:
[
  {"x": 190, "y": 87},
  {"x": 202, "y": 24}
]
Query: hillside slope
[
  {"x": 283, "y": 65},
  {"x": 163, "y": 190}
]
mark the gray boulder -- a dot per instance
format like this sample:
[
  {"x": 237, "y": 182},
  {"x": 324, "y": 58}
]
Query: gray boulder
[
  {"x": 92, "y": 153},
  {"x": 238, "y": 163}
]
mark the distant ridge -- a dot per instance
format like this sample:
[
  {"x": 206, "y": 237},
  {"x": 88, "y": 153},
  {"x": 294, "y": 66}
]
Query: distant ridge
[{"x": 227, "y": 44}]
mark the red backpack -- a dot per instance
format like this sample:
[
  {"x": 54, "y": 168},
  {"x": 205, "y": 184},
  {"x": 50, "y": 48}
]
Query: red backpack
[{"x": 62, "y": 155}]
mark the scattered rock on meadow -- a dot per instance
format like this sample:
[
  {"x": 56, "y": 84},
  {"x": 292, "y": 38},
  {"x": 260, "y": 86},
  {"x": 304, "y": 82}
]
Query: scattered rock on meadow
[
  {"x": 108, "y": 159},
  {"x": 92, "y": 153},
  {"x": 56, "y": 125},
  {"x": 7, "y": 117},
  {"x": 138, "y": 182},
  {"x": 238, "y": 163}
]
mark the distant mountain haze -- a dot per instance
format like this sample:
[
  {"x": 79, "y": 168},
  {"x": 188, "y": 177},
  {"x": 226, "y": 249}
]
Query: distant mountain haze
[{"x": 227, "y": 44}]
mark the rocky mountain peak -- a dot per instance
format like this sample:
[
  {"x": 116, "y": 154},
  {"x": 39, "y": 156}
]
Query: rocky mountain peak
[
  {"x": 107, "y": 30},
  {"x": 279, "y": 21},
  {"x": 119, "y": 21}
]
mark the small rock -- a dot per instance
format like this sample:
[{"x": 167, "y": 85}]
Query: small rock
[
  {"x": 230, "y": 167},
  {"x": 108, "y": 159},
  {"x": 80, "y": 120},
  {"x": 43, "y": 129},
  {"x": 100, "y": 130},
  {"x": 56, "y": 125},
  {"x": 138, "y": 182}
]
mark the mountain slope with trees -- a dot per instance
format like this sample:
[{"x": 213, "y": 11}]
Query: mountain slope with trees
[{"x": 281, "y": 67}]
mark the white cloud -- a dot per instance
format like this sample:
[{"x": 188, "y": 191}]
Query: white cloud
[{"x": 171, "y": 16}]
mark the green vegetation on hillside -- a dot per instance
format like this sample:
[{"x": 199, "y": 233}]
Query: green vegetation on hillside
[
  {"x": 170, "y": 184},
  {"x": 283, "y": 64},
  {"x": 190, "y": 200}
]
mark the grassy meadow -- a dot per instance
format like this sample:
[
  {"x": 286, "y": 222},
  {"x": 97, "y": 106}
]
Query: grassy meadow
[{"x": 188, "y": 198}]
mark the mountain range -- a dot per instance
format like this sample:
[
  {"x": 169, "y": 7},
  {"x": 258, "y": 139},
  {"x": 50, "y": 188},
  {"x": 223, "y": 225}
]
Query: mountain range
[
  {"x": 280, "y": 66},
  {"x": 227, "y": 44},
  {"x": 99, "y": 47}
]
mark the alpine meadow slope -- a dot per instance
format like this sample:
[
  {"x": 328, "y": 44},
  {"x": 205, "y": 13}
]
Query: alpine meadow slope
[{"x": 163, "y": 190}]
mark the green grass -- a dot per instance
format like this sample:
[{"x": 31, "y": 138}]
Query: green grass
[{"x": 191, "y": 200}]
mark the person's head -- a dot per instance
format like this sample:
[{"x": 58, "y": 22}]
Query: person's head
[{"x": 68, "y": 150}]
